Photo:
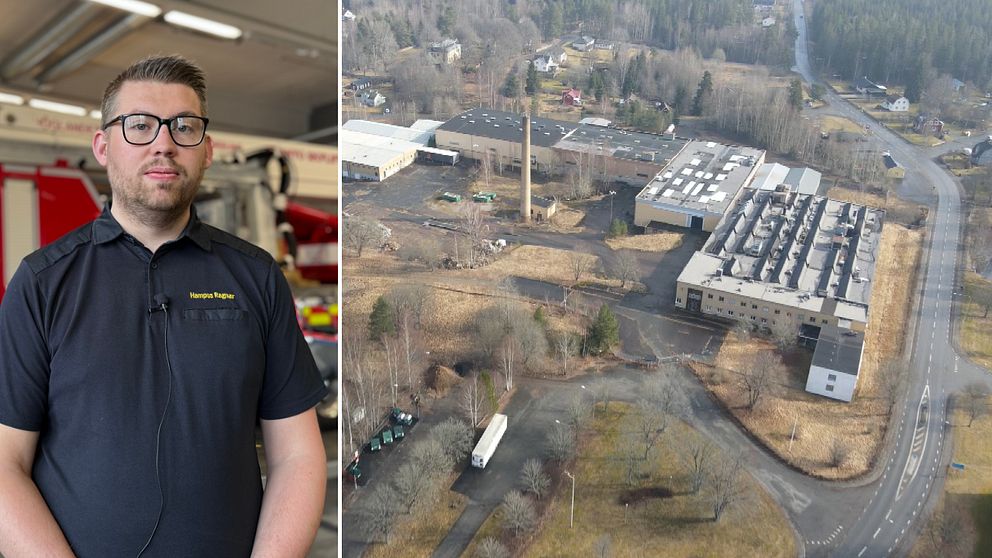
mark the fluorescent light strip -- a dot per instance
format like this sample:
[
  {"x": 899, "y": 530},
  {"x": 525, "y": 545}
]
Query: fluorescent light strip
[
  {"x": 11, "y": 99},
  {"x": 183, "y": 19},
  {"x": 57, "y": 107},
  {"x": 133, "y": 6},
  {"x": 96, "y": 115}
]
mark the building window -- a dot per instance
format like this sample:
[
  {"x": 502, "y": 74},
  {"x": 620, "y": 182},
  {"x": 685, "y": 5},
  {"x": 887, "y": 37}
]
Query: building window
[
  {"x": 709, "y": 295},
  {"x": 754, "y": 307},
  {"x": 777, "y": 311},
  {"x": 709, "y": 308},
  {"x": 743, "y": 303},
  {"x": 730, "y": 312},
  {"x": 764, "y": 321},
  {"x": 812, "y": 319},
  {"x": 831, "y": 377},
  {"x": 830, "y": 387},
  {"x": 721, "y": 299},
  {"x": 789, "y": 314},
  {"x": 754, "y": 318},
  {"x": 678, "y": 301},
  {"x": 824, "y": 321}
]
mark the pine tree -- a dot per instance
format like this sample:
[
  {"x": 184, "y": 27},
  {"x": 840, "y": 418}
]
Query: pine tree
[
  {"x": 533, "y": 83},
  {"x": 702, "y": 93},
  {"x": 604, "y": 332},
  {"x": 511, "y": 86},
  {"x": 381, "y": 320}
]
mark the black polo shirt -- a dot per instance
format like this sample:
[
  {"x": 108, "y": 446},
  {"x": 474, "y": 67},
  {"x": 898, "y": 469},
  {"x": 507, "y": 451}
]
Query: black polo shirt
[{"x": 83, "y": 362}]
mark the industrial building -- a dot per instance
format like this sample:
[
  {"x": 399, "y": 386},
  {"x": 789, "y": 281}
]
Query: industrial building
[
  {"x": 375, "y": 151},
  {"x": 781, "y": 257},
  {"x": 697, "y": 187},
  {"x": 606, "y": 154}
]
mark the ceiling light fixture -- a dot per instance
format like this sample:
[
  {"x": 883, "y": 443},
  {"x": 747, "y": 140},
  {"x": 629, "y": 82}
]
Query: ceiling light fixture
[
  {"x": 197, "y": 23},
  {"x": 11, "y": 99},
  {"x": 133, "y": 6},
  {"x": 96, "y": 115},
  {"x": 57, "y": 107}
]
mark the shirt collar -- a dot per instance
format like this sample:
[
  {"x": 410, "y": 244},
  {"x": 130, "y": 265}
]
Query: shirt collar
[{"x": 107, "y": 229}]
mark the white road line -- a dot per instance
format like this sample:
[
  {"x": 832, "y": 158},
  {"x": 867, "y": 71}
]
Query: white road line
[
  {"x": 888, "y": 514},
  {"x": 862, "y": 551},
  {"x": 877, "y": 531}
]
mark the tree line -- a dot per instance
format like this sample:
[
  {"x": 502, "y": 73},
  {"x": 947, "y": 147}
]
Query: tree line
[{"x": 899, "y": 41}]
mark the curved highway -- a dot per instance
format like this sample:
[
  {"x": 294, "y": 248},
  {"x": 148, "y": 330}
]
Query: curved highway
[{"x": 917, "y": 463}]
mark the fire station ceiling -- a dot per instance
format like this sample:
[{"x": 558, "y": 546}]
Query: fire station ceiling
[{"x": 279, "y": 78}]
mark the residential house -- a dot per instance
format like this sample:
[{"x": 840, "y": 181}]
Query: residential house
[
  {"x": 896, "y": 103},
  {"x": 583, "y": 44},
  {"x": 558, "y": 54},
  {"x": 603, "y": 44},
  {"x": 571, "y": 97},
  {"x": 892, "y": 167},
  {"x": 372, "y": 98},
  {"x": 347, "y": 16},
  {"x": 360, "y": 84},
  {"x": 444, "y": 52},
  {"x": 867, "y": 87},
  {"x": 981, "y": 154},
  {"x": 768, "y": 22},
  {"x": 546, "y": 64},
  {"x": 542, "y": 209}
]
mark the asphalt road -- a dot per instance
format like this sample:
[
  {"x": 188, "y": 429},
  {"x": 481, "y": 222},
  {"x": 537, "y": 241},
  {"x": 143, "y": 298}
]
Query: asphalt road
[{"x": 916, "y": 465}]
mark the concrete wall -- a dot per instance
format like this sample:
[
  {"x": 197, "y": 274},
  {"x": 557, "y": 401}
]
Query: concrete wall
[
  {"x": 379, "y": 173},
  {"x": 507, "y": 153},
  {"x": 830, "y": 383},
  {"x": 632, "y": 172},
  {"x": 644, "y": 213}
]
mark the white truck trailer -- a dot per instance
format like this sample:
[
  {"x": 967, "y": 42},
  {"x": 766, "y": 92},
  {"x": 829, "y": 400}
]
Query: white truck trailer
[{"x": 490, "y": 439}]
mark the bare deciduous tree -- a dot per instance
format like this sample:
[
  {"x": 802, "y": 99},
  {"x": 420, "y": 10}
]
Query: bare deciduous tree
[
  {"x": 631, "y": 458},
  {"x": 577, "y": 411},
  {"x": 944, "y": 532},
  {"x": 726, "y": 485},
  {"x": 975, "y": 401},
  {"x": 473, "y": 402},
  {"x": 743, "y": 328},
  {"x": 490, "y": 547},
  {"x": 518, "y": 513},
  {"x": 561, "y": 443},
  {"x": 579, "y": 263},
  {"x": 411, "y": 298},
  {"x": 784, "y": 331},
  {"x": 625, "y": 267},
  {"x": 565, "y": 347},
  {"x": 755, "y": 377},
  {"x": 697, "y": 455},
  {"x": 381, "y": 512},
  {"x": 454, "y": 437},
  {"x": 534, "y": 479},
  {"x": 839, "y": 452},
  {"x": 601, "y": 392},
  {"x": 509, "y": 351},
  {"x": 361, "y": 233},
  {"x": 424, "y": 250},
  {"x": 661, "y": 402}
]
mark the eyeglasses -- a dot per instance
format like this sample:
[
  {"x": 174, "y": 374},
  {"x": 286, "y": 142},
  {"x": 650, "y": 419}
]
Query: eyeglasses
[{"x": 142, "y": 129}]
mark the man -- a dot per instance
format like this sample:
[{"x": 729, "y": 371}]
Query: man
[{"x": 137, "y": 353}]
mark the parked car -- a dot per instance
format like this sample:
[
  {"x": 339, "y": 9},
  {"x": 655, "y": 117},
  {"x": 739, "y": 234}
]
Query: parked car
[
  {"x": 399, "y": 417},
  {"x": 375, "y": 444},
  {"x": 387, "y": 436},
  {"x": 398, "y": 432},
  {"x": 353, "y": 471}
]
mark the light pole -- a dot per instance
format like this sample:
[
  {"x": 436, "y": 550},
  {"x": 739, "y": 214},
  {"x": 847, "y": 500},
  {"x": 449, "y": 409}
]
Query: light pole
[
  {"x": 612, "y": 193},
  {"x": 571, "y": 514}
]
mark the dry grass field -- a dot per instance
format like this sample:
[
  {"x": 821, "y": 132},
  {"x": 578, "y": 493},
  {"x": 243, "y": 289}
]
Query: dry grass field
[
  {"x": 860, "y": 424},
  {"x": 551, "y": 265},
  {"x": 679, "y": 525},
  {"x": 839, "y": 124},
  {"x": 657, "y": 242},
  {"x": 976, "y": 328},
  {"x": 420, "y": 533}
]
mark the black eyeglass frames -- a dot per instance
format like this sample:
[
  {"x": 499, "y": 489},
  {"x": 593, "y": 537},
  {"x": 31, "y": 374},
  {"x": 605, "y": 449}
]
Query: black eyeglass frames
[{"x": 142, "y": 129}]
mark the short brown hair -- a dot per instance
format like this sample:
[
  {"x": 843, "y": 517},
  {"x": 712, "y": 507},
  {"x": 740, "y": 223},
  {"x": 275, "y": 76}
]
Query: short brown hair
[{"x": 161, "y": 69}]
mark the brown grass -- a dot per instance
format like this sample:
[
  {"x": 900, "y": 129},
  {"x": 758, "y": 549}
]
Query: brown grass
[
  {"x": 976, "y": 339},
  {"x": 679, "y": 526},
  {"x": 657, "y": 242},
  {"x": 839, "y": 124},
  {"x": 420, "y": 533},
  {"x": 550, "y": 265},
  {"x": 860, "y": 424}
]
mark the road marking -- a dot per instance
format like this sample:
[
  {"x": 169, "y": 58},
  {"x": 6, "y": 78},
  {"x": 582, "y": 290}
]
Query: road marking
[
  {"x": 888, "y": 514},
  {"x": 877, "y": 531},
  {"x": 863, "y": 549}
]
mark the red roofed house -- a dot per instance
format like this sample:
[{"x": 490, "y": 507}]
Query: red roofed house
[{"x": 571, "y": 97}]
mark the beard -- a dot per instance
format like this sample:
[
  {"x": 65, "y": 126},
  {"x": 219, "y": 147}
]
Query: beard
[{"x": 151, "y": 202}]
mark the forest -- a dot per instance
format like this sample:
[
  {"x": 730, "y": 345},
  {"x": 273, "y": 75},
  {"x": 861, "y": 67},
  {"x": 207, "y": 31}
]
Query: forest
[{"x": 905, "y": 41}]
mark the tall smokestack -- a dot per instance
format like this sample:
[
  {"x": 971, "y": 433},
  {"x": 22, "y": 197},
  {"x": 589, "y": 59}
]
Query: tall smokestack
[{"x": 525, "y": 172}]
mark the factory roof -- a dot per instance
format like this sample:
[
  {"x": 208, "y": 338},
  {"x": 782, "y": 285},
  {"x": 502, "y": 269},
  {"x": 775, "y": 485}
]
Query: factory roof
[
  {"x": 505, "y": 126},
  {"x": 372, "y": 150},
  {"x": 839, "y": 350},
  {"x": 797, "y": 250},
  {"x": 622, "y": 144},
  {"x": 421, "y": 137},
  {"x": 803, "y": 181},
  {"x": 704, "y": 177}
]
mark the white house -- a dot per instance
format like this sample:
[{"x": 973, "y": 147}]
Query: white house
[
  {"x": 372, "y": 98},
  {"x": 768, "y": 22},
  {"x": 347, "y": 16},
  {"x": 603, "y": 44},
  {"x": 558, "y": 55},
  {"x": 896, "y": 103},
  {"x": 444, "y": 52},
  {"x": 836, "y": 362},
  {"x": 583, "y": 44},
  {"x": 545, "y": 63}
]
